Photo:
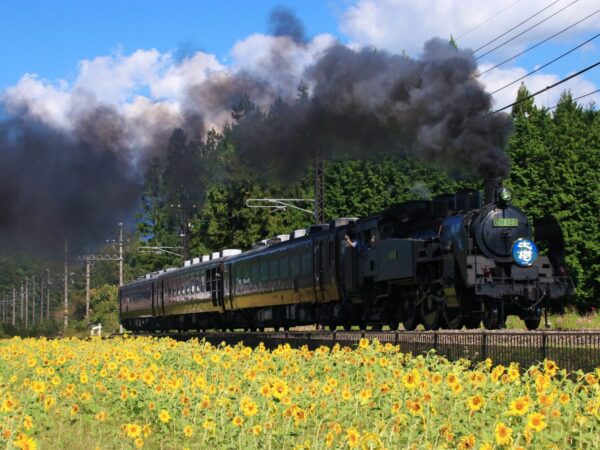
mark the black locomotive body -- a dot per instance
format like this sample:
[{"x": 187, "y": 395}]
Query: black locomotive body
[{"x": 447, "y": 263}]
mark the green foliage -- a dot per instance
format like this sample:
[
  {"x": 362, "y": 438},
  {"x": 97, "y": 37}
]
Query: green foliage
[
  {"x": 556, "y": 171},
  {"x": 104, "y": 307},
  {"x": 453, "y": 42}
]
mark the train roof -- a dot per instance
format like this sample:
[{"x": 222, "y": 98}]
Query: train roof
[{"x": 267, "y": 246}]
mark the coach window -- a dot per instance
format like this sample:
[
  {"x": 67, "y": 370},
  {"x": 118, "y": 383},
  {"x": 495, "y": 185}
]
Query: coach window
[
  {"x": 283, "y": 267},
  {"x": 295, "y": 265},
  {"x": 264, "y": 271},
  {"x": 255, "y": 277},
  {"x": 207, "y": 279},
  {"x": 306, "y": 264},
  {"x": 274, "y": 270}
]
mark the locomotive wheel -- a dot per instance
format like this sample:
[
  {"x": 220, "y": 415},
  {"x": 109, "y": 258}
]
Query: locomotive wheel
[
  {"x": 347, "y": 327},
  {"x": 431, "y": 312},
  {"x": 377, "y": 327},
  {"x": 410, "y": 314},
  {"x": 490, "y": 316},
  {"x": 393, "y": 325},
  {"x": 453, "y": 319},
  {"x": 332, "y": 327}
]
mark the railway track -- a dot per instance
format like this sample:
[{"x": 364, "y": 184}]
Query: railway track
[{"x": 571, "y": 350}]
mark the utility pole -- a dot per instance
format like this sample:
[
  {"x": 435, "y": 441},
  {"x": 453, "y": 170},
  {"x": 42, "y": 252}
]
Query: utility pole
[
  {"x": 120, "y": 254},
  {"x": 66, "y": 310},
  {"x": 90, "y": 258},
  {"x": 33, "y": 301},
  {"x": 22, "y": 301},
  {"x": 88, "y": 263},
  {"x": 319, "y": 188},
  {"x": 26, "y": 302},
  {"x": 14, "y": 305},
  {"x": 48, "y": 294},
  {"x": 42, "y": 298},
  {"x": 183, "y": 212}
]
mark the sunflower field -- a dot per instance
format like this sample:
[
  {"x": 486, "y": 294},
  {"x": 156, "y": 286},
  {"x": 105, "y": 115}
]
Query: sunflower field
[{"x": 127, "y": 393}]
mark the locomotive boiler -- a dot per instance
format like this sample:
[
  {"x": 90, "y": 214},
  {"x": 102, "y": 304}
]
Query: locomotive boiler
[{"x": 446, "y": 263}]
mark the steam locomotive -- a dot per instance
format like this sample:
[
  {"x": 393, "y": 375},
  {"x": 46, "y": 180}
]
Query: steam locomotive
[{"x": 446, "y": 263}]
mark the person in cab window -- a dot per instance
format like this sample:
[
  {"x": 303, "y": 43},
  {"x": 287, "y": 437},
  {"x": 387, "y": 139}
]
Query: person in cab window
[{"x": 352, "y": 241}]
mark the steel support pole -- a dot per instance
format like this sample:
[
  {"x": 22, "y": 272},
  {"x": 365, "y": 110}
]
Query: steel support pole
[
  {"x": 42, "y": 298},
  {"x": 66, "y": 287},
  {"x": 22, "y": 302},
  {"x": 48, "y": 294},
  {"x": 26, "y": 302},
  {"x": 14, "y": 306},
  {"x": 88, "y": 263},
  {"x": 33, "y": 301},
  {"x": 319, "y": 188},
  {"x": 120, "y": 253}
]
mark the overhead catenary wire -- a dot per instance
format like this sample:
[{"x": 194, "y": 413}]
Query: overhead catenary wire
[
  {"x": 547, "y": 64},
  {"x": 516, "y": 26},
  {"x": 538, "y": 44},
  {"x": 486, "y": 20},
  {"x": 564, "y": 80},
  {"x": 527, "y": 30}
]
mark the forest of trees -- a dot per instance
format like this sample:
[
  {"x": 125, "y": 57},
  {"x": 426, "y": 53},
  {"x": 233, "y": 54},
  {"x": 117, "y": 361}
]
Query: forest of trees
[{"x": 202, "y": 185}]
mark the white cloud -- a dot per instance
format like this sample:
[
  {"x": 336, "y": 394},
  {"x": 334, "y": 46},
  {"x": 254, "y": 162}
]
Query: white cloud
[
  {"x": 150, "y": 89},
  {"x": 398, "y": 25},
  {"x": 501, "y": 77}
]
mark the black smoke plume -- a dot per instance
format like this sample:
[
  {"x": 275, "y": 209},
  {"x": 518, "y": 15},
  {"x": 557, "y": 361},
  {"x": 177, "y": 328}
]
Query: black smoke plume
[
  {"x": 80, "y": 180},
  {"x": 55, "y": 184},
  {"x": 367, "y": 102},
  {"x": 283, "y": 22}
]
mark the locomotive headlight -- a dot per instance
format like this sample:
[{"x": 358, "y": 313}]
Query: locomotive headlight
[{"x": 505, "y": 195}]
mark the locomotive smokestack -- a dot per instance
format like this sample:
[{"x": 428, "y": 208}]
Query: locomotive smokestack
[{"x": 491, "y": 185}]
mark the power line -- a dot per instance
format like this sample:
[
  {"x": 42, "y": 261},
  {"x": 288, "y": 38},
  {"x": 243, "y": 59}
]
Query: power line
[
  {"x": 527, "y": 30},
  {"x": 578, "y": 98},
  {"x": 511, "y": 122},
  {"x": 546, "y": 88},
  {"x": 516, "y": 26},
  {"x": 547, "y": 64},
  {"x": 486, "y": 20},
  {"x": 538, "y": 44}
]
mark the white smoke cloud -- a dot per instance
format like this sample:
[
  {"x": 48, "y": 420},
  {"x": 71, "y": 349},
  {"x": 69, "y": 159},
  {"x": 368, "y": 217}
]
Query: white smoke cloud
[{"x": 255, "y": 56}]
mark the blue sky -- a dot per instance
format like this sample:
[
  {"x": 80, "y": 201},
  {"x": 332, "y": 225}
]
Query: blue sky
[
  {"x": 50, "y": 37},
  {"x": 55, "y": 42}
]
